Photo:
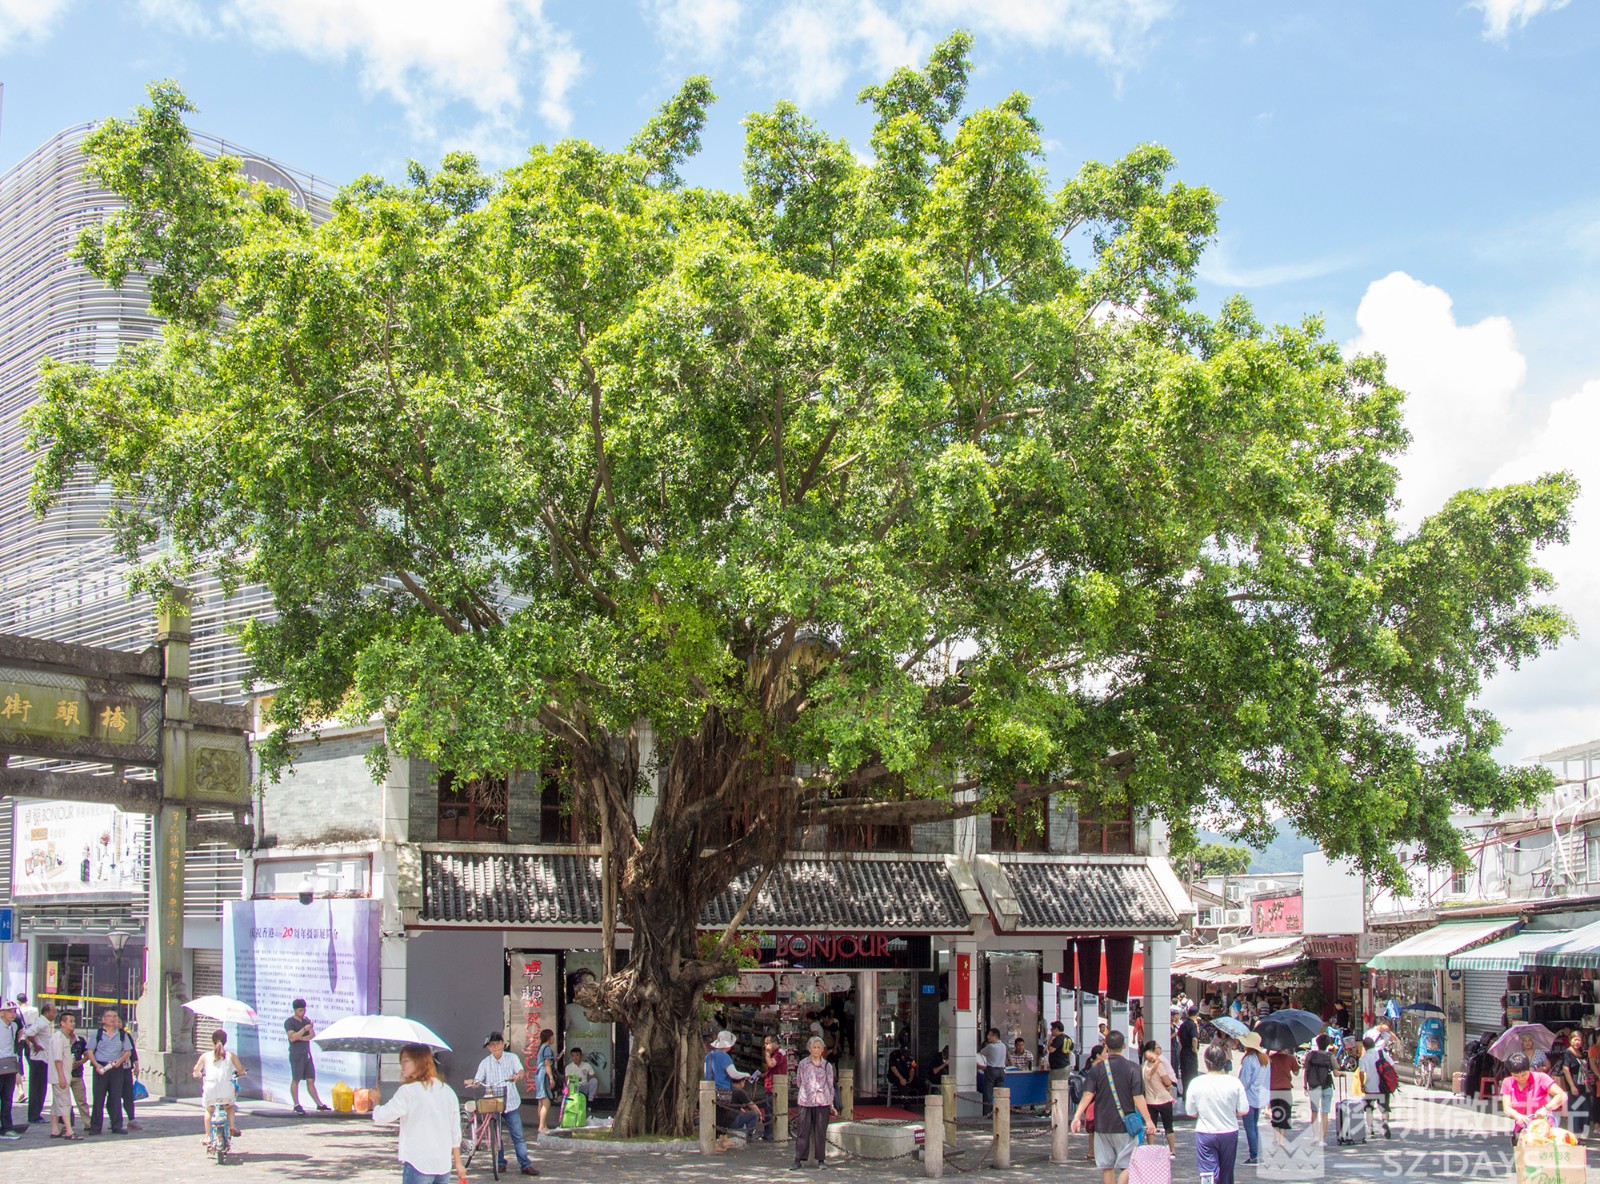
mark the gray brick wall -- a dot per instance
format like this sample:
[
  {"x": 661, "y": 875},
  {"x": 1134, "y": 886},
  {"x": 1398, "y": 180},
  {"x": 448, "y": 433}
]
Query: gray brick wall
[
  {"x": 327, "y": 797},
  {"x": 1063, "y": 824},
  {"x": 524, "y": 807},
  {"x": 933, "y": 838},
  {"x": 423, "y": 794}
]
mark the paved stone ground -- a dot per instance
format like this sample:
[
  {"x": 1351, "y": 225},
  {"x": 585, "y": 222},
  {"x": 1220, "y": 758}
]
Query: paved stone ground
[{"x": 1433, "y": 1140}]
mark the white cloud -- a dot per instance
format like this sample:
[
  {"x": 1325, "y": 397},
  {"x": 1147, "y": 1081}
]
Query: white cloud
[
  {"x": 187, "y": 16},
  {"x": 1463, "y": 385},
  {"x": 1500, "y": 15},
  {"x": 425, "y": 55},
  {"x": 696, "y": 28},
  {"x": 1472, "y": 426},
  {"x": 28, "y": 20},
  {"x": 815, "y": 48},
  {"x": 1217, "y": 266}
]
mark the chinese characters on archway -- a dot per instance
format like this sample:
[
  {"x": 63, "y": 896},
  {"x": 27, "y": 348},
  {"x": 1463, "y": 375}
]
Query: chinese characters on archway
[{"x": 52, "y": 711}]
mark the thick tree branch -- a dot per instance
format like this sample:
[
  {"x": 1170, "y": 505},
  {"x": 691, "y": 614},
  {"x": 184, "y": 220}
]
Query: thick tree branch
[
  {"x": 422, "y": 597},
  {"x": 592, "y": 381}
]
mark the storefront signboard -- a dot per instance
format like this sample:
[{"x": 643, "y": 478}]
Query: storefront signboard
[
  {"x": 846, "y": 951},
  {"x": 1276, "y": 914},
  {"x": 276, "y": 951},
  {"x": 533, "y": 1003},
  {"x": 963, "y": 982},
  {"x": 1332, "y": 947},
  {"x": 76, "y": 851}
]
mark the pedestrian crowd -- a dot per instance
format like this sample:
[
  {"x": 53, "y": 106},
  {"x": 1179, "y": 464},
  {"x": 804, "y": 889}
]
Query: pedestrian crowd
[{"x": 42, "y": 1050}]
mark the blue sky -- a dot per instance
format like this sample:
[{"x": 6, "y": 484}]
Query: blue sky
[{"x": 1421, "y": 174}]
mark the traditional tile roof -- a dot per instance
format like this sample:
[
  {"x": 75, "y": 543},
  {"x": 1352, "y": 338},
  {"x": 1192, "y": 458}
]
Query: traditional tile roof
[
  {"x": 557, "y": 889},
  {"x": 562, "y": 889},
  {"x": 1053, "y": 894},
  {"x": 1090, "y": 895},
  {"x": 901, "y": 894}
]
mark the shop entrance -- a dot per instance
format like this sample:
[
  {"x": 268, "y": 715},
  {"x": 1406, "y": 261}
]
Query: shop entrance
[
  {"x": 87, "y": 977},
  {"x": 865, "y": 994}
]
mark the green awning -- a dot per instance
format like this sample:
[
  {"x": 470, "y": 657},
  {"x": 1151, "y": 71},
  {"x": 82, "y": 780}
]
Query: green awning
[
  {"x": 1430, "y": 949},
  {"x": 1510, "y": 953},
  {"x": 1581, "y": 951}
]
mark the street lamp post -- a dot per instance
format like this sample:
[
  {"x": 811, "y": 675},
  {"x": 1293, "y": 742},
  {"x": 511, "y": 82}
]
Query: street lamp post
[{"x": 118, "y": 942}]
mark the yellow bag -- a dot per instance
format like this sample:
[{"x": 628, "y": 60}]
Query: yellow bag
[{"x": 344, "y": 1098}]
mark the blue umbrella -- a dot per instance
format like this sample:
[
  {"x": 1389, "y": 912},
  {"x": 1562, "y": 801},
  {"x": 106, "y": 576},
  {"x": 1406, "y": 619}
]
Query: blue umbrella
[{"x": 1230, "y": 1026}]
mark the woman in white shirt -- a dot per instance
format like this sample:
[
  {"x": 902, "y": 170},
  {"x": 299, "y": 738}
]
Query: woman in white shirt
[
  {"x": 429, "y": 1115},
  {"x": 216, "y": 1070},
  {"x": 1217, "y": 1100}
]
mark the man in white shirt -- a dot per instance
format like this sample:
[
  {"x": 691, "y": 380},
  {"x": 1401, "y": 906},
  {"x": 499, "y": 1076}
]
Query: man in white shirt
[
  {"x": 499, "y": 1073},
  {"x": 991, "y": 1069},
  {"x": 36, "y": 1034},
  {"x": 581, "y": 1076},
  {"x": 61, "y": 1060}
]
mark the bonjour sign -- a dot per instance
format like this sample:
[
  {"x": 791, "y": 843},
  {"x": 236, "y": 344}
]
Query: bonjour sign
[{"x": 847, "y": 951}]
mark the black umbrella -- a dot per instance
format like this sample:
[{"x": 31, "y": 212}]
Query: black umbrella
[
  {"x": 1429, "y": 1007},
  {"x": 1287, "y": 1030}
]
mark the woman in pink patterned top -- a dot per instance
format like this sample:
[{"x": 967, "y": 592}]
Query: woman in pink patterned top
[{"x": 814, "y": 1099}]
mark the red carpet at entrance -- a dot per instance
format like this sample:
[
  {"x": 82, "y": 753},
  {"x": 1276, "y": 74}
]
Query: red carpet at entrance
[{"x": 891, "y": 1112}]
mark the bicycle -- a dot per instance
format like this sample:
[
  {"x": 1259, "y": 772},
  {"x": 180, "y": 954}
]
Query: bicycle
[
  {"x": 221, "y": 1138},
  {"x": 482, "y": 1129}
]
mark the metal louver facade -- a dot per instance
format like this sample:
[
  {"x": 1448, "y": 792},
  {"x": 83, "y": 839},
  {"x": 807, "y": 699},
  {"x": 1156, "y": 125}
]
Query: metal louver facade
[{"x": 60, "y": 577}]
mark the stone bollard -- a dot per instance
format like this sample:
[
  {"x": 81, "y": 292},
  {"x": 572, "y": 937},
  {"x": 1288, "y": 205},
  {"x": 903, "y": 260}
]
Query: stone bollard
[
  {"x": 847, "y": 1095},
  {"x": 947, "y": 1088},
  {"x": 1061, "y": 1120},
  {"x": 780, "y": 1113},
  {"x": 708, "y": 1118},
  {"x": 933, "y": 1137},
  {"x": 1002, "y": 1127}
]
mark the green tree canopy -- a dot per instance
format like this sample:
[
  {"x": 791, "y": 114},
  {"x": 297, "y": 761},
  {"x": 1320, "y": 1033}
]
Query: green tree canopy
[
  {"x": 881, "y": 489},
  {"x": 1213, "y": 859}
]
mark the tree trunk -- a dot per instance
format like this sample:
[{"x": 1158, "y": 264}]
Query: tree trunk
[{"x": 659, "y": 996}]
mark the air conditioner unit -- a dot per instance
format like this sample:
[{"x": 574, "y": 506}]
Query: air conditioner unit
[
  {"x": 1224, "y": 940},
  {"x": 1236, "y": 917}
]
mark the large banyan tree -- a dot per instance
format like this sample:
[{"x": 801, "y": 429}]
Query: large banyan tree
[{"x": 881, "y": 490}]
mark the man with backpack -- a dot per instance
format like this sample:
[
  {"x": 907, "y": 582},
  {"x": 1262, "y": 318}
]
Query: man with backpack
[
  {"x": 111, "y": 1059},
  {"x": 1379, "y": 1079},
  {"x": 1115, "y": 1086}
]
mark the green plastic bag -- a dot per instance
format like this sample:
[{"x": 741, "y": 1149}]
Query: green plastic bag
[{"x": 575, "y": 1110}]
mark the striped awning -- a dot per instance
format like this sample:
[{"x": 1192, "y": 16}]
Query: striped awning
[
  {"x": 1431, "y": 949},
  {"x": 1510, "y": 953},
  {"x": 1581, "y": 951},
  {"x": 1255, "y": 951}
]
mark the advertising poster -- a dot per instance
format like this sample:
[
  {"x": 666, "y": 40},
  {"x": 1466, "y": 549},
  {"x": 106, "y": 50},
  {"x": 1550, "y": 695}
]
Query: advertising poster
[
  {"x": 326, "y": 953},
  {"x": 14, "y": 970},
  {"x": 76, "y": 850},
  {"x": 593, "y": 1036}
]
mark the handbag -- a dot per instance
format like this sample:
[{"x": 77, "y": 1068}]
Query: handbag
[
  {"x": 1132, "y": 1123},
  {"x": 10, "y": 1065},
  {"x": 140, "y": 1093}
]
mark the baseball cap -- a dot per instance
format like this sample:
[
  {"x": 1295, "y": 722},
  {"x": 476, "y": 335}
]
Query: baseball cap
[{"x": 493, "y": 1038}]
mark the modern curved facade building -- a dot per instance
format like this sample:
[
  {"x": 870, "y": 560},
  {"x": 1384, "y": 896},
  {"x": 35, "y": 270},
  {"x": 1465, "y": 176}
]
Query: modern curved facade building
[
  {"x": 59, "y": 576},
  {"x": 61, "y": 579}
]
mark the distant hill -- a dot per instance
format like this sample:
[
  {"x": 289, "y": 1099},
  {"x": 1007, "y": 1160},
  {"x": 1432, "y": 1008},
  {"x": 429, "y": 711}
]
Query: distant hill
[{"x": 1283, "y": 854}]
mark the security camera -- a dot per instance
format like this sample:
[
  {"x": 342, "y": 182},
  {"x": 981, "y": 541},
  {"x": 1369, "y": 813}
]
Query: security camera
[{"x": 308, "y": 890}]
